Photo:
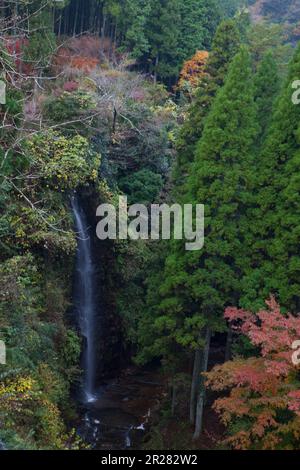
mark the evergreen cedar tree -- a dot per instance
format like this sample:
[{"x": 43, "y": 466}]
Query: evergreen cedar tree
[
  {"x": 197, "y": 286},
  {"x": 224, "y": 47},
  {"x": 175, "y": 264},
  {"x": 275, "y": 259},
  {"x": 267, "y": 85}
]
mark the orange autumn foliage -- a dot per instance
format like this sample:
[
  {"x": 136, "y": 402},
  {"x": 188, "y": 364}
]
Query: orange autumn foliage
[
  {"x": 86, "y": 64},
  {"x": 84, "y": 53},
  {"x": 193, "y": 70},
  {"x": 79, "y": 62}
]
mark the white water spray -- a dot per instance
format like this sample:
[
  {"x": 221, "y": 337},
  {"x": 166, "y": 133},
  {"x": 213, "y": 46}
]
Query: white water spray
[{"x": 85, "y": 297}]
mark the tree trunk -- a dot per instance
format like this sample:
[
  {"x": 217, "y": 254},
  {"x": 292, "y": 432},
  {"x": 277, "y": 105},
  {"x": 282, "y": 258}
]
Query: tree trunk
[
  {"x": 66, "y": 20},
  {"x": 103, "y": 26},
  {"x": 228, "y": 345},
  {"x": 82, "y": 13},
  {"x": 114, "y": 121},
  {"x": 115, "y": 35},
  {"x": 92, "y": 17},
  {"x": 195, "y": 385},
  {"x": 174, "y": 390},
  {"x": 155, "y": 71},
  {"x": 59, "y": 25},
  {"x": 75, "y": 20},
  {"x": 201, "y": 396}
]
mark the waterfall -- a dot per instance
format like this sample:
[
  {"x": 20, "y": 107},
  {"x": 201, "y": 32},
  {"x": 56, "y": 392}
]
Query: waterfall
[
  {"x": 2, "y": 446},
  {"x": 85, "y": 297}
]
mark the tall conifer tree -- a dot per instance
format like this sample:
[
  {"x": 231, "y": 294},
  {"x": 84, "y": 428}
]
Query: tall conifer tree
[
  {"x": 276, "y": 257},
  {"x": 198, "y": 285},
  {"x": 224, "y": 47},
  {"x": 266, "y": 84}
]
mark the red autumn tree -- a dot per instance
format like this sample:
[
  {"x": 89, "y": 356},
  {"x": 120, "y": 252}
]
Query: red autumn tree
[
  {"x": 86, "y": 64},
  {"x": 261, "y": 408},
  {"x": 15, "y": 48}
]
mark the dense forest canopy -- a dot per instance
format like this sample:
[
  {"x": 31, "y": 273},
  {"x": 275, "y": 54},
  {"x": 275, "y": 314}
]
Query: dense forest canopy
[
  {"x": 161, "y": 101},
  {"x": 159, "y": 34},
  {"x": 153, "y": 32}
]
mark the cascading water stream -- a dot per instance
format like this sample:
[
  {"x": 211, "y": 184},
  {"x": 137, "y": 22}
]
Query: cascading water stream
[
  {"x": 85, "y": 298},
  {"x": 2, "y": 446},
  {"x": 108, "y": 421}
]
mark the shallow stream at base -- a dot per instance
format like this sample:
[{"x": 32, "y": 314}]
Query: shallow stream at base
[{"x": 119, "y": 416}]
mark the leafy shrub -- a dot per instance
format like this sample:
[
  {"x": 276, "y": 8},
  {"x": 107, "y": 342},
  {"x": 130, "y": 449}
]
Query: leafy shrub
[
  {"x": 69, "y": 107},
  {"x": 64, "y": 163},
  {"x": 142, "y": 187}
]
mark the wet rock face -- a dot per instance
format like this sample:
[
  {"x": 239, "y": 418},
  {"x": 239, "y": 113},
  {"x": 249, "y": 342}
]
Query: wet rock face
[
  {"x": 109, "y": 347},
  {"x": 119, "y": 413}
]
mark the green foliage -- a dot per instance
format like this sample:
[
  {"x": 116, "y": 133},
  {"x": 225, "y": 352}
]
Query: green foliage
[
  {"x": 142, "y": 187},
  {"x": 263, "y": 37},
  {"x": 42, "y": 42},
  {"x": 177, "y": 29},
  {"x": 222, "y": 178},
  {"x": 230, "y": 7},
  {"x": 11, "y": 115},
  {"x": 224, "y": 47},
  {"x": 70, "y": 110},
  {"x": 33, "y": 347},
  {"x": 64, "y": 163},
  {"x": 275, "y": 250},
  {"x": 29, "y": 337},
  {"x": 31, "y": 420},
  {"x": 238, "y": 153},
  {"x": 197, "y": 285},
  {"x": 266, "y": 84},
  {"x": 134, "y": 21},
  {"x": 200, "y": 19},
  {"x": 163, "y": 28},
  {"x": 142, "y": 134},
  {"x": 132, "y": 260},
  {"x": 71, "y": 350}
]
